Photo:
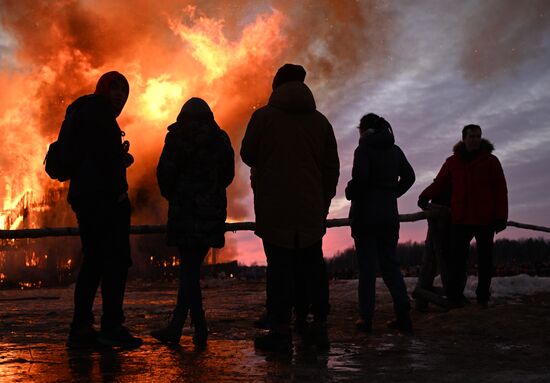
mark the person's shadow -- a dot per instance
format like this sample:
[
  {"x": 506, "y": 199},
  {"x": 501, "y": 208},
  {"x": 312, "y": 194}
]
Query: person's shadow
[
  {"x": 82, "y": 361},
  {"x": 110, "y": 365},
  {"x": 306, "y": 362}
]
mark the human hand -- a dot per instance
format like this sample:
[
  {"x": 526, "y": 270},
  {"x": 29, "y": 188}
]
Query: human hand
[
  {"x": 423, "y": 203},
  {"x": 500, "y": 225}
]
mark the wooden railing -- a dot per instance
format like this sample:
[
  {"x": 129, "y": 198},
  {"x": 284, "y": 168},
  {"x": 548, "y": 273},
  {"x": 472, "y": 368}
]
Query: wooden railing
[{"x": 234, "y": 227}]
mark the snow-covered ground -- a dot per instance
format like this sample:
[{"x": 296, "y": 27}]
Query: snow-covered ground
[{"x": 501, "y": 287}]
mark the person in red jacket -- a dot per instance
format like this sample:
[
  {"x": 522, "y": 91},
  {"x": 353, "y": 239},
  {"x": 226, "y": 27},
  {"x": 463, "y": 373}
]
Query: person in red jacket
[{"x": 479, "y": 208}]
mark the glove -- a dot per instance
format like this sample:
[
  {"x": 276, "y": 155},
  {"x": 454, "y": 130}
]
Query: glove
[
  {"x": 423, "y": 202},
  {"x": 500, "y": 225}
]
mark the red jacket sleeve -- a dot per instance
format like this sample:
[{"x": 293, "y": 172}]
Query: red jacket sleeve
[
  {"x": 500, "y": 191},
  {"x": 441, "y": 182}
]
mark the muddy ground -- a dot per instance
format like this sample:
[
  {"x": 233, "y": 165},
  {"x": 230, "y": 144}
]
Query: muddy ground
[{"x": 508, "y": 342}]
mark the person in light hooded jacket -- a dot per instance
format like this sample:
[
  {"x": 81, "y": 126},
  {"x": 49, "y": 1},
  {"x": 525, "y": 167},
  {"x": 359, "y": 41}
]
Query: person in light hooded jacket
[
  {"x": 380, "y": 175},
  {"x": 195, "y": 168}
]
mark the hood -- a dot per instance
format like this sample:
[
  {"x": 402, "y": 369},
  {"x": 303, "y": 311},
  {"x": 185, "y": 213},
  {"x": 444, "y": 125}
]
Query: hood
[
  {"x": 105, "y": 81},
  {"x": 485, "y": 147},
  {"x": 118, "y": 99},
  {"x": 379, "y": 139},
  {"x": 194, "y": 131},
  {"x": 195, "y": 109},
  {"x": 195, "y": 122},
  {"x": 83, "y": 100},
  {"x": 293, "y": 97}
]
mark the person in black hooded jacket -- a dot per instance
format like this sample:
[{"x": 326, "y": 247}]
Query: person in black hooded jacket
[
  {"x": 98, "y": 195},
  {"x": 195, "y": 168},
  {"x": 380, "y": 175}
]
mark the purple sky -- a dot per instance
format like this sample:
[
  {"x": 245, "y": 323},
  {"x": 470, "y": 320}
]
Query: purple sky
[{"x": 449, "y": 64}]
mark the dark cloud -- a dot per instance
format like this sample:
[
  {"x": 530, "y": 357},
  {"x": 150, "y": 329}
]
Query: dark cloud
[{"x": 501, "y": 34}]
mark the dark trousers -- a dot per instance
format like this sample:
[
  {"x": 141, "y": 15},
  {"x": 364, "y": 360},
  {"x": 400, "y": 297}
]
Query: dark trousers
[
  {"x": 284, "y": 268},
  {"x": 458, "y": 260},
  {"x": 436, "y": 252},
  {"x": 105, "y": 237},
  {"x": 378, "y": 244},
  {"x": 189, "y": 291}
]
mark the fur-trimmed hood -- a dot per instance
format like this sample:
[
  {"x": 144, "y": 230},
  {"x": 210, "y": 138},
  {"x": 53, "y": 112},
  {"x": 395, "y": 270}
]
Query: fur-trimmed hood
[{"x": 485, "y": 147}]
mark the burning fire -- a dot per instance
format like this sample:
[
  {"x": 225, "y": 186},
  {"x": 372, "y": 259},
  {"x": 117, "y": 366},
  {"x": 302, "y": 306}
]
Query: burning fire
[
  {"x": 197, "y": 59},
  {"x": 53, "y": 52}
]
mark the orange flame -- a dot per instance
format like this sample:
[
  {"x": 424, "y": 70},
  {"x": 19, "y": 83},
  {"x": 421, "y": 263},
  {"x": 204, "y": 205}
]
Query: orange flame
[
  {"x": 210, "y": 68},
  {"x": 53, "y": 52}
]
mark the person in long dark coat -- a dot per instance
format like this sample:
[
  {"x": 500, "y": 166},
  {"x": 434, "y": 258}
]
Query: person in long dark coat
[
  {"x": 380, "y": 175},
  {"x": 292, "y": 148},
  {"x": 195, "y": 168}
]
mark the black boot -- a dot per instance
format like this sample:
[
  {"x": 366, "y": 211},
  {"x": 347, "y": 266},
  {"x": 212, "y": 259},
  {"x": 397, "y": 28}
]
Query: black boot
[
  {"x": 201, "y": 329},
  {"x": 402, "y": 323},
  {"x": 278, "y": 339},
  {"x": 318, "y": 334},
  {"x": 171, "y": 334}
]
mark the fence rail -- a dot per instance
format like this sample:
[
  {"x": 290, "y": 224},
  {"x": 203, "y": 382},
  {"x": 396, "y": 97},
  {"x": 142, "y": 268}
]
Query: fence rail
[{"x": 233, "y": 226}]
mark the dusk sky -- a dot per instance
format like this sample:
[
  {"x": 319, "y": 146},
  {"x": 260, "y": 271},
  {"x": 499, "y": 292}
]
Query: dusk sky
[{"x": 428, "y": 67}]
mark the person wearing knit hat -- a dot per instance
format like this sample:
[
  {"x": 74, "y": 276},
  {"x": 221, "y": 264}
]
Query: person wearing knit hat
[
  {"x": 98, "y": 194},
  {"x": 288, "y": 73},
  {"x": 291, "y": 148}
]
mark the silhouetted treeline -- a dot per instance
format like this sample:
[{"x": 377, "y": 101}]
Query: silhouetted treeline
[
  {"x": 511, "y": 257},
  {"x": 51, "y": 262}
]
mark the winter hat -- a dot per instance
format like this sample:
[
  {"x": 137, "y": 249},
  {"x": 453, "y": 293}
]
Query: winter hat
[
  {"x": 374, "y": 122},
  {"x": 105, "y": 81},
  {"x": 287, "y": 73},
  {"x": 196, "y": 109}
]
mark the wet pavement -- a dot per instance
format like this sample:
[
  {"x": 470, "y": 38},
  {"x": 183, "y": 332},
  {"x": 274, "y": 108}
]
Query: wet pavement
[{"x": 506, "y": 343}]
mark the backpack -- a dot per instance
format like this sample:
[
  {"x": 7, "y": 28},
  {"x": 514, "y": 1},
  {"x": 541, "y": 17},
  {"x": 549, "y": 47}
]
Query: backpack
[{"x": 61, "y": 159}]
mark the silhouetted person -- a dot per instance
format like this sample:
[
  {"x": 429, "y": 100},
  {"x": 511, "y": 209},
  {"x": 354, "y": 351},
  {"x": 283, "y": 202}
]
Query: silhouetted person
[
  {"x": 380, "y": 175},
  {"x": 436, "y": 248},
  {"x": 292, "y": 148},
  {"x": 195, "y": 168},
  {"x": 98, "y": 196},
  {"x": 301, "y": 301},
  {"x": 479, "y": 208}
]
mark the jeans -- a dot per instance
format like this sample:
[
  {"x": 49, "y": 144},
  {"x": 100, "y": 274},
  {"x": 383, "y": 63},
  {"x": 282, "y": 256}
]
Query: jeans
[
  {"x": 378, "y": 244},
  {"x": 436, "y": 251},
  {"x": 105, "y": 237},
  {"x": 189, "y": 291},
  {"x": 458, "y": 260},
  {"x": 284, "y": 268}
]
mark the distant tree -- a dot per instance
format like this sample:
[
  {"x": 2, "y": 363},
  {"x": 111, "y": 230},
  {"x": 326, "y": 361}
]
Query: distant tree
[{"x": 511, "y": 257}]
